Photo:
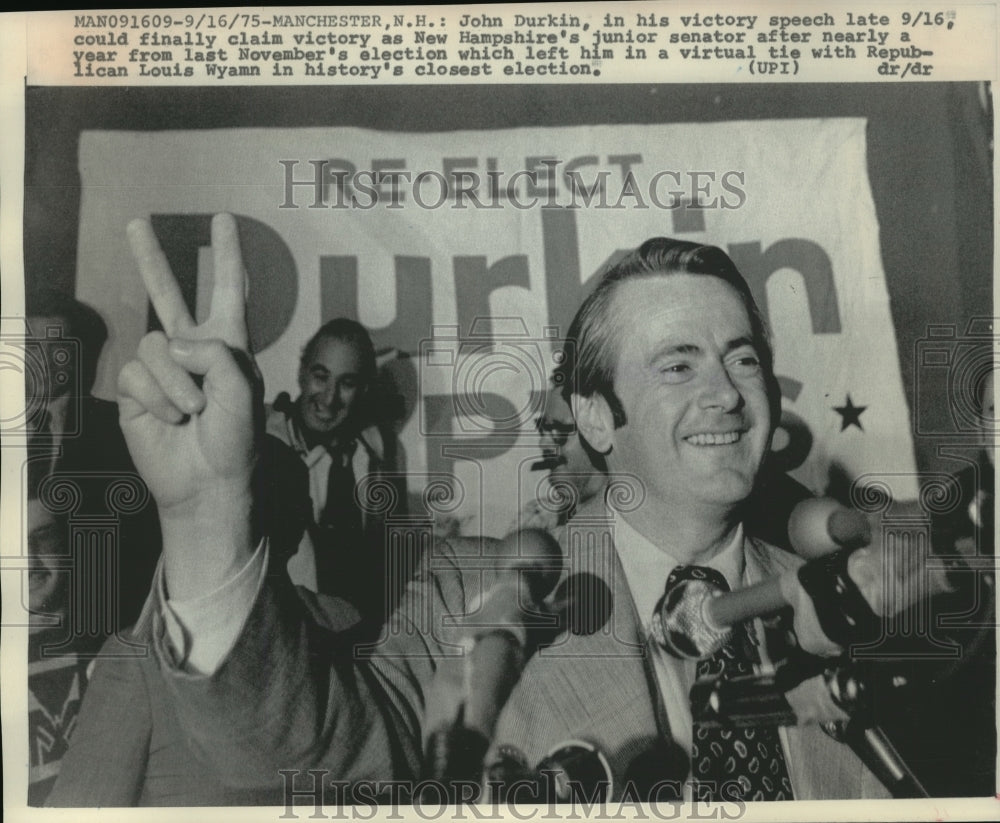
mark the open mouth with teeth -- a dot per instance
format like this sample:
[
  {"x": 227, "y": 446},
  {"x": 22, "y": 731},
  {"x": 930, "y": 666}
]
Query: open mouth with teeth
[{"x": 714, "y": 439}]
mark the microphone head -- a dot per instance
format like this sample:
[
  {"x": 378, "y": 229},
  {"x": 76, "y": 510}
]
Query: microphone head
[
  {"x": 658, "y": 772},
  {"x": 681, "y": 623},
  {"x": 536, "y": 554},
  {"x": 575, "y": 769},
  {"x": 821, "y": 525},
  {"x": 583, "y": 603}
]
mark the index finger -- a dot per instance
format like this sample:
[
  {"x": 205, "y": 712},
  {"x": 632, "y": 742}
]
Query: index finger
[
  {"x": 229, "y": 291},
  {"x": 162, "y": 288}
]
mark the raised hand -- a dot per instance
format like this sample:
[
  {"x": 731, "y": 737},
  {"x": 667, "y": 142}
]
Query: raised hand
[{"x": 192, "y": 439}]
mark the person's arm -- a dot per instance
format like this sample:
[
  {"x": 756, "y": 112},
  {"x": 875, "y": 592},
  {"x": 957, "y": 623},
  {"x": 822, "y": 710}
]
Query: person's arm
[
  {"x": 296, "y": 692},
  {"x": 291, "y": 692},
  {"x": 105, "y": 764},
  {"x": 201, "y": 631}
]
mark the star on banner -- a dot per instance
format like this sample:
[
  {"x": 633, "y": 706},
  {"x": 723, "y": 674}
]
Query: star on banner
[{"x": 850, "y": 415}]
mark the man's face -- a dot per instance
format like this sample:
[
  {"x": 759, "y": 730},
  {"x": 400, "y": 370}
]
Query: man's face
[
  {"x": 47, "y": 584},
  {"x": 563, "y": 453},
  {"x": 331, "y": 386},
  {"x": 690, "y": 381}
]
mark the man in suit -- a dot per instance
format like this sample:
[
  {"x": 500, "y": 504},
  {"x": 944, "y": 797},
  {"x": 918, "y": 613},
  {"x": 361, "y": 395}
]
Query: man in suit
[
  {"x": 330, "y": 427},
  {"x": 673, "y": 384}
]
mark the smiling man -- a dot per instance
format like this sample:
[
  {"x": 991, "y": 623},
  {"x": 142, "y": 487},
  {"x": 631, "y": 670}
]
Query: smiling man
[
  {"x": 329, "y": 425},
  {"x": 672, "y": 383},
  {"x": 683, "y": 399}
]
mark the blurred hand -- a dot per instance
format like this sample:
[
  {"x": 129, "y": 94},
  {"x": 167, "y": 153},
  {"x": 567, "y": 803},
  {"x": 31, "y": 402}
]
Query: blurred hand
[
  {"x": 892, "y": 575},
  {"x": 192, "y": 439}
]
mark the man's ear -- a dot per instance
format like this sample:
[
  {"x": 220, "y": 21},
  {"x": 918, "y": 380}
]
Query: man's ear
[{"x": 594, "y": 420}]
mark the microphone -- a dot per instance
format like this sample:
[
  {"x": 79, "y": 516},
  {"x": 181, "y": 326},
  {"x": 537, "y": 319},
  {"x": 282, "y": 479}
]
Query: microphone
[
  {"x": 694, "y": 619},
  {"x": 821, "y": 525},
  {"x": 852, "y": 690},
  {"x": 497, "y": 647},
  {"x": 572, "y": 770},
  {"x": 582, "y": 604},
  {"x": 531, "y": 566},
  {"x": 839, "y": 699},
  {"x": 843, "y": 580},
  {"x": 803, "y": 690}
]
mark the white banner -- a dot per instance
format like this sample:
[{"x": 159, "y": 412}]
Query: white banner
[{"x": 459, "y": 239}]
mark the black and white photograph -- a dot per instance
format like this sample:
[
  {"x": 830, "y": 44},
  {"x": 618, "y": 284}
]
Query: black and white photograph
[{"x": 411, "y": 417}]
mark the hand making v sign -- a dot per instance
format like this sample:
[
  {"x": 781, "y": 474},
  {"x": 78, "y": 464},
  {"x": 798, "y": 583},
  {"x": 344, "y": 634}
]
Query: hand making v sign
[{"x": 194, "y": 444}]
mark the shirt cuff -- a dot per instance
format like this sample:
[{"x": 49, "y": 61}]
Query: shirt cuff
[{"x": 202, "y": 631}]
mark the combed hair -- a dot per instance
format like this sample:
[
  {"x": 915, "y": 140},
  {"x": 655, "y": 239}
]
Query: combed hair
[
  {"x": 593, "y": 340},
  {"x": 347, "y": 331},
  {"x": 80, "y": 322}
]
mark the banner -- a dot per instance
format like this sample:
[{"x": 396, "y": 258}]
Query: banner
[{"x": 466, "y": 254}]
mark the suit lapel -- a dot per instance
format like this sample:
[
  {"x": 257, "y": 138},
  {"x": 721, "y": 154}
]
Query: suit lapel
[{"x": 595, "y": 683}]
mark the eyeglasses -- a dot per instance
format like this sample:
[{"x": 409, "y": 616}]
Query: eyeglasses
[{"x": 559, "y": 432}]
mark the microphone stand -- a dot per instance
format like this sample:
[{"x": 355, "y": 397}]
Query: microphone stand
[
  {"x": 759, "y": 700},
  {"x": 850, "y": 686},
  {"x": 871, "y": 744}
]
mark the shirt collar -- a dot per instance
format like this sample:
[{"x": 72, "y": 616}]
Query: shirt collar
[
  {"x": 345, "y": 451},
  {"x": 647, "y": 566}
]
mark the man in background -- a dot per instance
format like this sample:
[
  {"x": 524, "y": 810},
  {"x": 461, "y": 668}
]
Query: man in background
[
  {"x": 330, "y": 425},
  {"x": 78, "y": 437},
  {"x": 574, "y": 473},
  {"x": 57, "y": 657}
]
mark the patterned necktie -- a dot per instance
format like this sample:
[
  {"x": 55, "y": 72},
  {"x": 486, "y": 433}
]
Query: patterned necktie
[{"x": 750, "y": 758}]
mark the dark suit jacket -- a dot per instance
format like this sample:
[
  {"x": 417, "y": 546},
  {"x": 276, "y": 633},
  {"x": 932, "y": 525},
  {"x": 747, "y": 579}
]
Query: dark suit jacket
[
  {"x": 93, "y": 454},
  {"x": 293, "y": 693}
]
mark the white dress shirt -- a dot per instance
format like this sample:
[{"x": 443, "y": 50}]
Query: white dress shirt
[
  {"x": 203, "y": 630},
  {"x": 367, "y": 451},
  {"x": 646, "y": 569}
]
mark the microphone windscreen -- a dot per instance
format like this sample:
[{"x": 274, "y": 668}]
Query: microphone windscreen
[
  {"x": 583, "y": 603},
  {"x": 537, "y": 555},
  {"x": 821, "y": 525},
  {"x": 658, "y": 773}
]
